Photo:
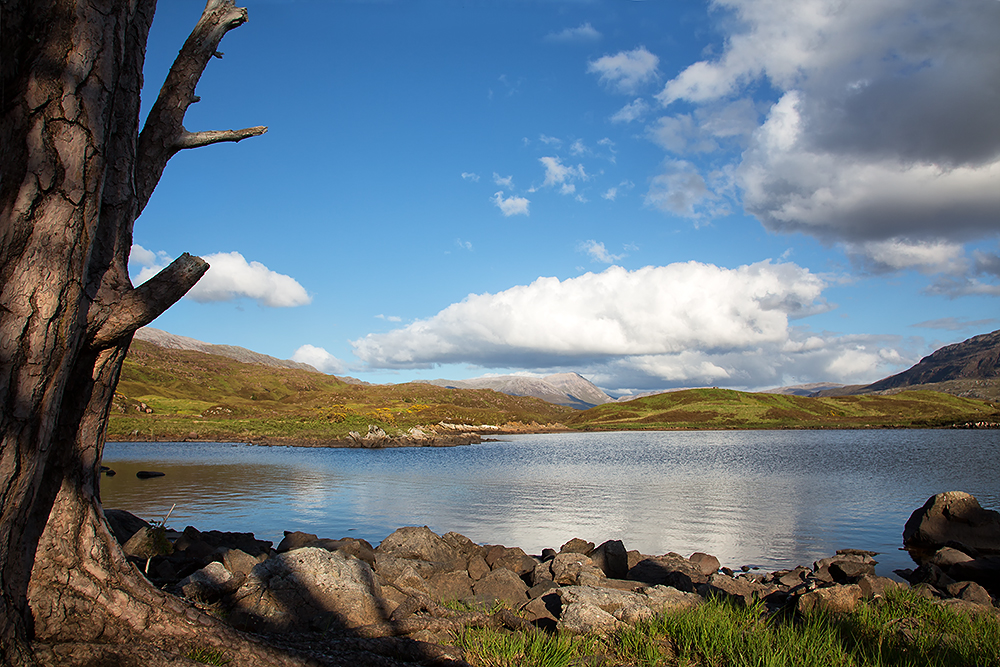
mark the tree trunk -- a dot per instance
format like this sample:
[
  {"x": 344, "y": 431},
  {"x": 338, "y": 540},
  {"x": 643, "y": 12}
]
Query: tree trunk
[{"x": 75, "y": 175}]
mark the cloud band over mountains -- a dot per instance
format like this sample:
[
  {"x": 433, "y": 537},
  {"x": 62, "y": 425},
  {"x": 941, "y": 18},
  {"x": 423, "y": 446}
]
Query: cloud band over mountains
[{"x": 684, "y": 323}]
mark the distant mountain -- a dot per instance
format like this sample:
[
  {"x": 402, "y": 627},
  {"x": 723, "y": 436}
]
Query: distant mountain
[
  {"x": 803, "y": 389},
  {"x": 173, "y": 342},
  {"x": 977, "y": 358},
  {"x": 970, "y": 368},
  {"x": 569, "y": 389}
]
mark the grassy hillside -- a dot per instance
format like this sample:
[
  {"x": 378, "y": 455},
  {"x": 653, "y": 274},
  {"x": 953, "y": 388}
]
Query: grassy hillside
[
  {"x": 725, "y": 408},
  {"x": 182, "y": 394},
  {"x": 207, "y": 397}
]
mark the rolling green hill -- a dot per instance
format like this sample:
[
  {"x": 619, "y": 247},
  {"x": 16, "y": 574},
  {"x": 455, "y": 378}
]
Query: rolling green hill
[
  {"x": 725, "y": 408},
  {"x": 167, "y": 394},
  {"x": 170, "y": 394}
]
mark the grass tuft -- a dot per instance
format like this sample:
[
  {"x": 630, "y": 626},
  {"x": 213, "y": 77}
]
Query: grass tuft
[{"x": 899, "y": 630}]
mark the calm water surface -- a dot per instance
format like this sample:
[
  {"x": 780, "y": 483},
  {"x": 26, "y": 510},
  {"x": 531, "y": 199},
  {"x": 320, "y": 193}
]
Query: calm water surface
[{"x": 764, "y": 498}]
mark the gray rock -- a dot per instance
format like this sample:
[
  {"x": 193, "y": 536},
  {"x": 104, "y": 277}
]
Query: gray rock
[
  {"x": 238, "y": 562},
  {"x": 742, "y": 591},
  {"x": 462, "y": 545},
  {"x": 503, "y": 585},
  {"x": 210, "y": 583},
  {"x": 832, "y": 599},
  {"x": 931, "y": 574},
  {"x": 970, "y": 591},
  {"x": 420, "y": 543},
  {"x": 123, "y": 524},
  {"x": 954, "y": 516},
  {"x": 845, "y": 567},
  {"x": 985, "y": 571},
  {"x": 510, "y": 558},
  {"x": 670, "y": 570},
  {"x": 583, "y": 618},
  {"x": 945, "y": 557},
  {"x": 572, "y": 568},
  {"x": 450, "y": 586},
  {"x": 309, "y": 588},
  {"x": 612, "y": 558},
  {"x": 577, "y": 546},
  {"x": 667, "y": 598},
  {"x": 543, "y": 611},
  {"x": 708, "y": 564},
  {"x": 874, "y": 586},
  {"x": 477, "y": 567},
  {"x": 148, "y": 542}
]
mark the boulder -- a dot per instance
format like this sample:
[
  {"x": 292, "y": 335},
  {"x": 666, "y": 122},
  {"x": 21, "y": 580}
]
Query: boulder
[
  {"x": 791, "y": 578},
  {"x": 462, "y": 545},
  {"x": 970, "y": 591},
  {"x": 349, "y": 545},
  {"x": 309, "y": 588},
  {"x": 577, "y": 546},
  {"x": 210, "y": 583},
  {"x": 832, "y": 599},
  {"x": 450, "y": 586},
  {"x": 543, "y": 611},
  {"x": 148, "y": 542},
  {"x": 503, "y": 585},
  {"x": 708, "y": 564},
  {"x": 844, "y": 568},
  {"x": 740, "y": 590},
  {"x": 583, "y": 618},
  {"x": 669, "y": 570},
  {"x": 239, "y": 562},
  {"x": 945, "y": 557},
  {"x": 666, "y": 598},
  {"x": 510, "y": 558},
  {"x": 612, "y": 558},
  {"x": 203, "y": 544},
  {"x": 952, "y": 517},
  {"x": 295, "y": 540},
  {"x": 984, "y": 571},
  {"x": 568, "y": 569},
  {"x": 123, "y": 524},
  {"x": 477, "y": 567},
  {"x": 420, "y": 543},
  {"x": 874, "y": 586}
]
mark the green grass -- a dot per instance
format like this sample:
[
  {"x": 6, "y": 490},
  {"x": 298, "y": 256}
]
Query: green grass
[
  {"x": 900, "y": 630},
  {"x": 208, "y": 656}
]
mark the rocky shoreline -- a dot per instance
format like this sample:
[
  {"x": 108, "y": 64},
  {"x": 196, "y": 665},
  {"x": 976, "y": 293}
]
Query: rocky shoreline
[
  {"x": 443, "y": 434},
  {"x": 424, "y": 586}
]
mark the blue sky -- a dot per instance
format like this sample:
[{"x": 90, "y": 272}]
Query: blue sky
[{"x": 653, "y": 194}]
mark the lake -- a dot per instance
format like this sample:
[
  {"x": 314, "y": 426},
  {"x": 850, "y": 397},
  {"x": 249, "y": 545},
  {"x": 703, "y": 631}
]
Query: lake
[{"x": 772, "y": 499}]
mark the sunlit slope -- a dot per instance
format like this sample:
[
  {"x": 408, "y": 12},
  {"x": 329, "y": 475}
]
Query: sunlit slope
[
  {"x": 724, "y": 408},
  {"x": 208, "y": 397}
]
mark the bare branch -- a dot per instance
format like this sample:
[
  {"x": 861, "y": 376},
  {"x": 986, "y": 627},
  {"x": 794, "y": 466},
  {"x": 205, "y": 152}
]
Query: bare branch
[
  {"x": 164, "y": 134},
  {"x": 148, "y": 301},
  {"x": 197, "y": 139}
]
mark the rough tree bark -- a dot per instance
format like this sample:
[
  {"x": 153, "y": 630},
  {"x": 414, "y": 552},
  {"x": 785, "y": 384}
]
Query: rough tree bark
[{"x": 75, "y": 172}]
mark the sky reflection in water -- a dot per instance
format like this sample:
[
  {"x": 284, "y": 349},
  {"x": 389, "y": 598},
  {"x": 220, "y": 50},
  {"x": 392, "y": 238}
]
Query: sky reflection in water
[{"x": 767, "y": 498}]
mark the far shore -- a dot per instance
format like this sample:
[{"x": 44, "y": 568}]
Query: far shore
[{"x": 475, "y": 437}]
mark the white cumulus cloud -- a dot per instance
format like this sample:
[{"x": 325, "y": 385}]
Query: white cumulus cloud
[
  {"x": 581, "y": 33},
  {"x": 557, "y": 173},
  {"x": 605, "y": 317},
  {"x": 318, "y": 358},
  {"x": 229, "y": 277},
  {"x": 598, "y": 252},
  {"x": 626, "y": 71},
  {"x": 512, "y": 205}
]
